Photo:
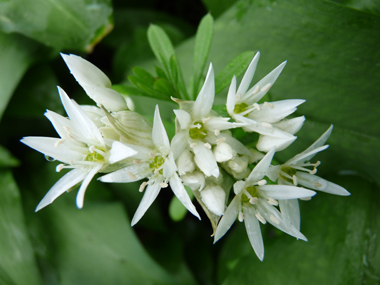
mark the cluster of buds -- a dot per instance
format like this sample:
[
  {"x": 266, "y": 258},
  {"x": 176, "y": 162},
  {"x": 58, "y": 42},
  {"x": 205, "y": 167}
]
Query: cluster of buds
[{"x": 228, "y": 179}]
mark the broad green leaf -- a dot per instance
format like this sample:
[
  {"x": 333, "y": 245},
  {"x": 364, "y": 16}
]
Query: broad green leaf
[
  {"x": 17, "y": 261},
  {"x": 64, "y": 24},
  {"x": 160, "y": 44},
  {"x": 236, "y": 67},
  {"x": 342, "y": 248},
  {"x": 177, "y": 211},
  {"x": 217, "y": 7},
  {"x": 16, "y": 55},
  {"x": 144, "y": 75},
  {"x": 163, "y": 86},
  {"x": 146, "y": 88},
  {"x": 6, "y": 158},
  {"x": 372, "y": 6},
  {"x": 203, "y": 40}
]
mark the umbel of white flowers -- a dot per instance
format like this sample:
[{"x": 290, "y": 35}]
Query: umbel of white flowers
[{"x": 204, "y": 155}]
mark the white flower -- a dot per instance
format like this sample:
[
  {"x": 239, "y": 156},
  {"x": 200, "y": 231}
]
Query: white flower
[
  {"x": 96, "y": 84},
  {"x": 255, "y": 201},
  {"x": 81, "y": 147},
  {"x": 267, "y": 119},
  {"x": 295, "y": 172},
  {"x": 156, "y": 164},
  {"x": 199, "y": 128}
]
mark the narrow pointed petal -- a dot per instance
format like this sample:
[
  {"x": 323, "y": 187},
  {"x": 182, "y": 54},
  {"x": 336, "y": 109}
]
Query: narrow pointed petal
[
  {"x": 247, "y": 78},
  {"x": 150, "y": 195},
  {"x": 231, "y": 97},
  {"x": 254, "y": 232},
  {"x": 80, "y": 121},
  {"x": 183, "y": 118},
  {"x": 228, "y": 218},
  {"x": 265, "y": 84},
  {"x": 85, "y": 72},
  {"x": 127, "y": 174},
  {"x": 53, "y": 147},
  {"x": 58, "y": 122},
  {"x": 219, "y": 123},
  {"x": 320, "y": 184},
  {"x": 179, "y": 143},
  {"x": 265, "y": 143},
  {"x": 291, "y": 126},
  {"x": 205, "y": 160},
  {"x": 290, "y": 210},
  {"x": 120, "y": 151},
  {"x": 306, "y": 156},
  {"x": 169, "y": 166},
  {"x": 180, "y": 192},
  {"x": 83, "y": 187},
  {"x": 159, "y": 135},
  {"x": 107, "y": 97},
  {"x": 203, "y": 104},
  {"x": 261, "y": 168},
  {"x": 273, "y": 172},
  {"x": 283, "y": 192},
  {"x": 69, "y": 180}
]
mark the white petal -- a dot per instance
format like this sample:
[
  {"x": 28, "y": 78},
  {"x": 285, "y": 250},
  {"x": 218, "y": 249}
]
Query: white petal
[
  {"x": 180, "y": 191},
  {"x": 85, "y": 72},
  {"x": 196, "y": 180},
  {"x": 261, "y": 168},
  {"x": 265, "y": 143},
  {"x": 219, "y": 123},
  {"x": 179, "y": 143},
  {"x": 107, "y": 97},
  {"x": 214, "y": 197},
  {"x": 291, "y": 126},
  {"x": 269, "y": 79},
  {"x": 305, "y": 156},
  {"x": 127, "y": 174},
  {"x": 203, "y": 104},
  {"x": 183, "y": 118},
  {"x": 205, "y": 160},
  {"x": 231, "y": 97},
  {"x": 228, "y": 219},
  {"x": 320, "y": 184},
  {"x": 83, "y": 187},
  {"x": 239, "y": 186},
  {"x": 223, "y": 152},
  {"x": 55, "y": 148},
  {"x": 278, "y": 110},
  {"x": 290, "y": 210},
  {"x": 159, "y": 135},
  {"x": 150, "y": 195},
  {"x": 185, "y": 162},
  {"x": 120, "y": 151},
  {"x": 169, "y": 166},
  {"x": 80, "y": 121},
  {"x": 58, "y": 122},
  {"x": 273, "y": 172},
  {"x": 282, "y": 192},
  {"x": 247, "y": 78},
  {"x": 69, "y": 180},
  {"x": 254, "y": 232}
]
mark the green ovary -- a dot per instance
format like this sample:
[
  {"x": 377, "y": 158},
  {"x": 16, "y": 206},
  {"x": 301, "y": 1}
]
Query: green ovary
[
  {"x": 240, "y": 108},
  {"x": 157, "y": 162},
  {"x": 252, "y": 190},
  {"x": 198, "y": 133},
  {"x": 290, "y": 171},
  {"x": 94, "y": 156}
]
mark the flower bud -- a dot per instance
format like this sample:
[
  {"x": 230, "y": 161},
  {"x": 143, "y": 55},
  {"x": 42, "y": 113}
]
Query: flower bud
[
  {"x": 185, "y": 162},
  {"x": 195, "y": 180},
  {"x": 223, "y": 152},
  {"x": 238, "y": 164},
  {"x": 214, "y": 197}
]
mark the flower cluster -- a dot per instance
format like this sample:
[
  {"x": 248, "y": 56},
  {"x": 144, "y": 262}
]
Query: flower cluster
[{"x": 229, "y": 180}]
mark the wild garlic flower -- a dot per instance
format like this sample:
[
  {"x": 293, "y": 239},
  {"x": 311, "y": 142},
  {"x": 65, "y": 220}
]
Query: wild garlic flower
[
  {"x": 156, "y": 164},
  {"x": 255, "y": 201},
  {"x": 96, "y": 84},
  {"x": 267, "y": 119},
  {"x": 199, "y": 128},
  {"x": 80, "y": 148},
  {"x": 296, "y": 172}
]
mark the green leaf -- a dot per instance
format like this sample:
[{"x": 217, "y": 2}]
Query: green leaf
[
  {"x": 149, "y": 90},
  {"x": 17, "y": 261},
  {"x": 144, "y": 75},
  {"x": 201, "y": 49},
  {"x": 372, "y": 6},
  {"x": 343, "y": 246},
  {"x": 236, "y": 67},
  {"x": 6, "y": 158},
  {"x": 64, "y": 24},
  {"x": 163, "y": 86},
  {"x": 173, "y": 69},
  {"x": 177, "y": 211},
  {"x": 160, "y": 44}
]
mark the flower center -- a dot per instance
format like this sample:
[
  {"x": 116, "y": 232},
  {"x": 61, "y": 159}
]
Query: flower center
[
  {"x": 240, "y": 108},
  {"x": 198, "y": 131},
  {"x": 251, "y": 193},
  {"x": 157, "y": 163},
  {"x": 94, "y": 156}
]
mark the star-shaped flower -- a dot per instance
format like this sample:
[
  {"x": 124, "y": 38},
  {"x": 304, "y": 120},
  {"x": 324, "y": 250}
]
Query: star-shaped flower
[
  {"x": 255, "y": 201},
  {"x": 156, "y": 164},
  {"x": 81, "y": 148}
]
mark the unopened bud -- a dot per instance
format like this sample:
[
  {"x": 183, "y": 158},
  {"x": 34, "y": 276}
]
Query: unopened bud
[{"x": 223, "y": 152}]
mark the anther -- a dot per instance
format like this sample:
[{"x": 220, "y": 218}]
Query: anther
[
  {"x": 132, "y": 176},
  {"x": 137, "y": 161},
  {"x": 59, "y": 167},
  {"x": 142, "y": 186},
  {"x": 295, "y": 180},
  {"x": 58, "y": 142},
  {"x": 257, "y": 106},
  {"x": 257, "y": 89},
  {"x": 317, "y": 163},
  {"x": 220, "y": 140},
  {"x": 198, "y": 126},
  {"x": 317, "y": 184},
  {"x": 305, "y": 199},
  {"x": 262, "y": 182},
  {"x": 272, "y": 201},
  {"x": 217, "y": 132},
  {"x": 91, "y": 148},
  {"x": 266, "y": 87},
  {"x": 241, "y": 217},
  {"x": 274, "y": 219},
  {"x": 152, "y": 154},
  {"x": 260, "y": 218},
  {"x": 270, "y": 105},
  {"x": 204, "y": 120},
  {"x": 253, "y": 200},
  {"x": 194, "y": 144},
  {"x": 238, "y": 96},
  {"x": 163, "y": 184},
  {"x": 207, "y": 145},
  {"x": 266, "y": 125},
  {"x": 313, "y": 171}
]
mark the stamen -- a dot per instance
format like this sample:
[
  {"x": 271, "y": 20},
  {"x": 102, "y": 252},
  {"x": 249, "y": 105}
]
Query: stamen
[
  {"x": 204, "y": 120},
  {"x": 274, "y": 219},
  {"x": 241, "y": 216},
  {"x": 266, "y": 87},
  {"x": 137, "y": 161},
  {"x": 142, "y": 186},
  {"x": 194, "y": 144},
  {"x": 100, "y": 152},
  {"x": 262, "y": 182},
  {"x": 207, "y": 145},
  {"x": 256, "y": 90},
  {"x": 295, "y": 180},
  {"x": 152, "y": 154},
  {"x": 317, "y": 184},
  {"x": 59, "y": 167},
  {"x": 91, "y": 148},
  {"x": 257, "y": 106},
  {"x": 217, "y": 132},
  {"x": 71, "y": 162},
  {"x": 260, "y": 218},
  {"x": 272, "y": 201},
  {"x": 198, "y": 126},
  {"x": 266, "y": 125},
  {"x": 253, "y": 200},
  {"x": 270, "y": 105},
  {"x": 163, "y": 184},
  {"x": 220, "y": 140},
  {"x": 317, "y": 163},
  {"x": 305, "y": 199},
  {"x": 313, "y": 171},
  {"x": 59, "y": 142},
  {"x": 132, "y": 176},
  {"x": 238, "y": 96}
]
